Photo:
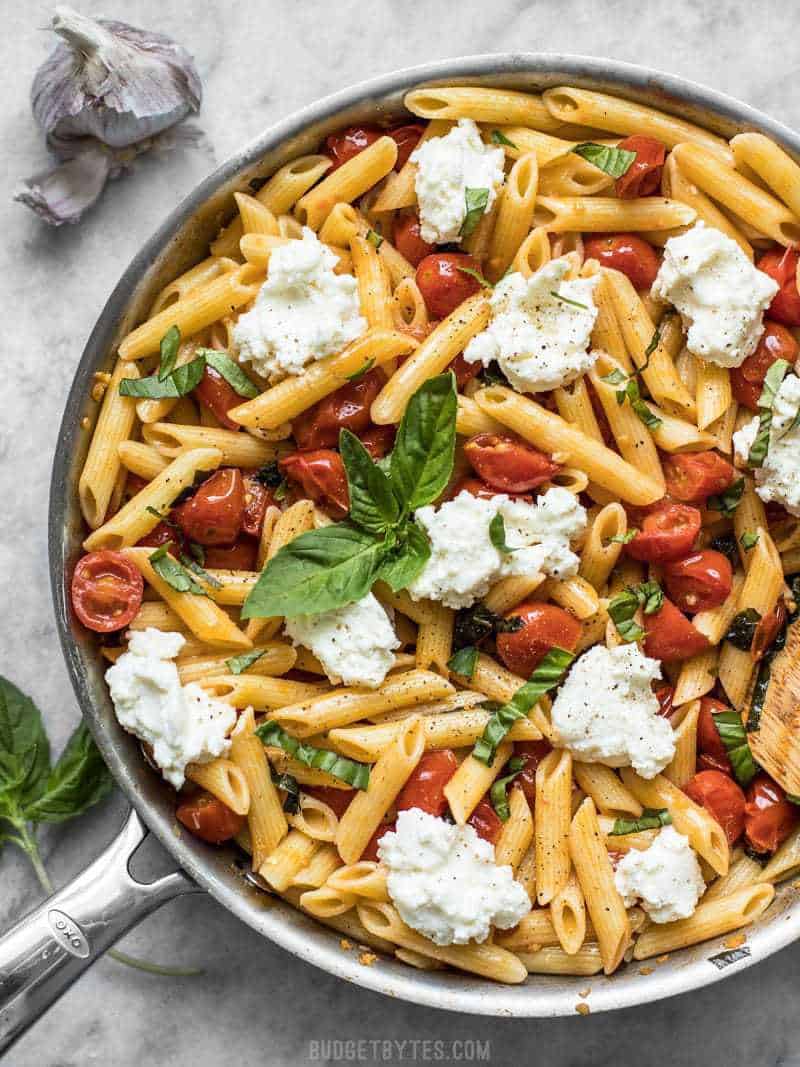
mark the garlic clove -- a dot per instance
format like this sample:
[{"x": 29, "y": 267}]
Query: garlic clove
[{"x": 63, "y": 193}]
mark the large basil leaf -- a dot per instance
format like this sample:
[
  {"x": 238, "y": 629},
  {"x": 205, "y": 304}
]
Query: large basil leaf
[
  {"x": 79, "y": 779},
  {"x": 399, "y": 570},
  {"x": 24, "y": 750},
  {"x": 373, "y": 505},
  {"x": 422, "y": 459}
]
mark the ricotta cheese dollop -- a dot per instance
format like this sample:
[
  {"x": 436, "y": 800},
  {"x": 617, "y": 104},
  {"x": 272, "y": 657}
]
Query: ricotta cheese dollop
[
  {"x": 606, "y": 711},
  {"x": 464, "y": 563},
  {"x": 778, "y": 478},
  {"x": 444, "y": 882},
  {"x": 720, "y": 295},
  {"x": 665, "y": 878},
  {"x": 448, "y": 166},
  {"x": 354, "y": 644},
  {"x": 540, "y": 328},
  {"x": 303, "y": 311},
  {"x": 182, "y": 724}
]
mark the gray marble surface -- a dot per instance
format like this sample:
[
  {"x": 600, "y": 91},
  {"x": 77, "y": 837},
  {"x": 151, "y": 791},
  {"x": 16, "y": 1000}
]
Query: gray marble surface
[{"x": 259, "y": 61}]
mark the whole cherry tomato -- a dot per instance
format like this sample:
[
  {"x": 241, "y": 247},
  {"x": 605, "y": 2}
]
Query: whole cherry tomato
[
  {"x": 767, "y": 629},
  {"x": 626, "y": 253},
  {"x": 664, "y": 694},
  {"x": 378, "y": 440},
  {"x": 257, "y": 498},
  {"x": 347, "y": 407},
  {"x": 337, "y": 799},
  {"x": 670, "y": 635},
  {"x": 531, "y": 753},
  {"x": 699, "y": 582},
  {"x": 769, "y": 816},
  {"x": 371, "y": 849},
  {"x": 485, "y": 821},
  {"x": 544, "y": 626},
  {"x": 747, "y": 381},
  {"x": 444, "y": 283},
  {"x": 643, "y": 176},
  {"x": 240, "y": 556},
  {"x": 722, "y": 798},
  {"x": 710, "y": 749},
  {"x": 213, "y": 516},
  {"x": 106, "y": 590},
  {"x": 692, "y": 477},
  {"x": 408, "y": 239},
  {"x": 322, "y": 477},
  {"x": 668, "y": 531},
  {"x": 425, "y": 788},
  {"x": 508, "y": 464},
  {"x": 209, "y": 819},
  {"x": 214, "y": 393},
  {"x": 464, "y": 371},
  {"x": 781, "y": 265}
]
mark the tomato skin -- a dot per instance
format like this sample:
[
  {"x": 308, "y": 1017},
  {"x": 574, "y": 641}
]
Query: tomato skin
[
  {"x": 664, "y": 694},
  {"x": 699, "y": 582},
  {"x": 378, "y": 440},
  {"x": 408, "y": 238},
  {"x": 532, "y": 753},
  {"x": 626, "y": 253},
  {"x": 257, "y": 498},
  {"x": 508, "y": 464},
  {"x": 643, "y": 177},
  {"x": 747, "y": 381},
  {"x": 213, "y": 516},
  {"x": 483, "y": 490},
  {"x": 443, "y": 285},
  {"x": 371, "y": 849},
  {"x": 709, "y": 743},
  {"x": 425, "y": 788},
  {"x": 337, "y": 799},
  {"x": 670, "y": 636},
  {"x": 668, "y": 532},
  {"x": 722, "y": 798},
  {"x": 407, "y": 138},
  {"x": 781, "y": 265},
  {"x": 544, "y": 626},
  {"x": 214, "y": 393},
  {"x": 692, "y": 477},
  {"x": 769, "y": 816},
  {"x": 209, "y": 819},
  {"x": 106, "y": 590},
  {"x": 347, "y": 407},
  {"x": 464, "y": 371},
  {"x": 162, "y": 534},
  {"x": 345, "y": 144},
  {"x": 485, "y": 821},
  {"x": 322, "y": 477},
  {"x": 767, "y": 629},
  {"x": 240, "y": 556}
]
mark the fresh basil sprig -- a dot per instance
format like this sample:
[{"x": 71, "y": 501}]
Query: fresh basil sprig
[
  {"x": 772, "y": 383},
  {"x": 647, "y": 595},
  {"x": 475, "y": 201},
  {"x": 321, "y": 759},
  {"x": 464, "y": 661},
  {"x": 613, "y": 161},
  {"x": 498, "y": 794},
  {"x": 650, "y": 819},
  {"x": 732, "y": 734}
]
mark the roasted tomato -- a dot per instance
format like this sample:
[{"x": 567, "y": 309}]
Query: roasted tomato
[
  {"x": 257, "y": 498},
  {"x": 767, "y": 629},
  {"x": 444, "y": 283},
  {"x": 378, "y": 440},
  {"x": 337, "y": 799},
  {"x": 664, "y": 695},
  {"x": 699, "y": 582},
  {"x": 626, "y": 253},
  {"x": 670, "y": 635},
  {"x": 722, "y": 798},
  {"x": 162, "y": 534},
  {"x": 508, "y": 464},
  {"x": 408, "y": 239},
  {"x": 214, "y": 393},
  {"x": 531, "y": 753},
  {"x": 321, "y": 476},
  {"x": 692, "y": 477},
  {"x": 781, "y": 265},
  {"x": 425, "y": 788},
  {"x": 209, "y": 819},
  {"x": 347, "y": 407},
  {"x": 464, "y": 371},
  {"x": 213, "y": 516},
  {"x": 347, "y": 143},
  {"x": 747, "y": 381},
  {"x": 407, "y": 138},
  {"x": 106, "y": 590},
  {"x": 371, "y": 850},
  {"x": 482, "y": 489},
  {"x": 668, "y": 531},
  {"x": 643, "y": 176},
  {"x": 485, "y": 821},
  {"x": 240, "y": 556},
  {"x": 544, "y": 626},
  {"x": 769, "y": 817},
  {"x": 710, "y": 749}
]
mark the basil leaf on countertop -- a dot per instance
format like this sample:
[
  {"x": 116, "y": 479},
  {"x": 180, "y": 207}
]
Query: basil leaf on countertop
[{"x": 78, "y": 780}]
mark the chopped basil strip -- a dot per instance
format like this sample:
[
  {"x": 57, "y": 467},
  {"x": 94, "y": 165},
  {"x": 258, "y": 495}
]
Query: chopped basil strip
[
  {"x": 179, "y": 382},
  {"x": 497, "y": 534},
  {"x": 731, "y": 731},
  {"x": 500, "y": 138},
  {"x": 239, "y": 664},
  {"x": 615, "y": 377},
  {"x": 749, "y": 539},
  {"x": 492, "y": 375},
  {"x": 365, "y": 368},
  {"x": 374, "y": 238},
  {"x": 727, "y": 501},
  {"x": 464, "y": 661},
  {"x": 197, "y": 567},
  {"x": 611, "y": 160},
  {"x": 647, "y": 595},
  {"x": 765, "y": 666},
  {"x": 772, "y": 383},
  {"x": 321, "y": 759},
  {"x": 792, "y": 425},
  {"x": 282, "y": 490},
  {"x": 289, "y": 784},
  {"x": 622, "y": 539},
  {"x": 475, "y": 624},
  {"x": 476, "y": 201},
  {"x": 498, "y": 794},
  {"x": 793, "y": 798},
  {"x": 546, "y": 677},
  {"x": 567, "y": 300},
  {"x": 653, "y": 344},
  {"x": 476, "y": 274},
  {"x": 650, "y": 819},
  {"x": 176, "y": 576},
  {"x": 742, "y": 628},
  {"x": 168, "y": 352},
  {"x": 634, "y": 396},
  {"x": 230, "y": 371}
]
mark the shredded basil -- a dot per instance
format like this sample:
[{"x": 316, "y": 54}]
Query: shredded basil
[
  {"x": 196, "y": 567},
  {"x": 653, "y": 344},
  {"x": 179, "y": 382},
  {"x": 321, "y": 759},
  {"x": 632, "y": 393},
  {"x": 289, "y": 784},
  {"x": 464, "y": 661},
  {"x": 498, "y": 794},
  {"x": 239, "y": 664},
  {"x": 772, "y": 383},
  {"x": 727, "y": 501},
  {"x": 567, "y": 300},
  {"x": 742, "y": 628},
  {"x": 500, "y": 138},
  {"x": 476, "y": 274},
  {"x": 613, "y": 161},
  {"x": 731, "y": 731},
  {"x": 622, "y": 539},
  {"x": 650, "y": 819},
  {"x": 497, "y": 534},
  {"x": 176, "y": 576},
  {"x": 362, "y": 370},
  {"x": 168, "y": 352},
  {"x": 748, "y": 540},
  {"x": 374, "y": 238},
  {"x": 648, "y": 596},
  {"x": 230, "y": 371},
  {"x": 473, "y": 625},
  {"x": 475, "y": 202}
]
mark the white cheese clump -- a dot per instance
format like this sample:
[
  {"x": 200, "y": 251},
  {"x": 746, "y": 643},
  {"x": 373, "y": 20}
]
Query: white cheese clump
[
  {"x": 444, "y": 882},
  {"x": 539, "y": 340},
  {"x": 354, "y": 644},
  {"x": 182, "y": 724},
  {"x": 778, "y": 478},
  {"x": 606, "y": 711},
  {"x": 720, "y": 295},
  {"x": 666, "y": 878},
  {"x": 464, "y": 563},
  {"x": 448, "y": 166},
  {"x": 303, "y": 311}
]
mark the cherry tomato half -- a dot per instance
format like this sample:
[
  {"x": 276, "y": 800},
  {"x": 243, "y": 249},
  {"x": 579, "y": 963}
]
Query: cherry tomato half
[
  {"x": 378, "y": 440},
  {"x": 531, "y": 753},
  {"x": 769, "y": 816},
  {"x": 508, "y": 464},
  {"x": 781, "y": 265},
  {"x": 162, "y": 534},
  {"x": 699, "y": 582},
  {"x": 209, "y": 819},
  {"x": 464, "y": 371},
  {"x": 767, "y": 629},
  {"x": 692, "y": 477},
  {"x": 443, "y": 284},
  {"x": 626, "y": 253},
  {"x": 407, "y": 138},
  {"x": 722, "y": 798},
  {"x": 544, "y": 626},
  {"x": 667, "y": 532},
  {"x": 485, "y": 821},
  {"x": 483, "y": 490},
  {"x": 371, "y": 850},
  {"x": 408, "y": 239},
  {"x": 345, "y": 144},
  {"x": 257, "y": 498},
  {"x": 213, "y": 516},
  {"x": 670, "y": 635},
  {"x": 106, "y": 590},
  {"x": 347, "y": 407},
  {"x": 215, "y": 394},
  {"x": 240, "y": 556},
  {"x": 337, "y": 799},
  {"x": 710, "y": 748},
  {"x": 747, "y": 381},
  {"x": 321, "y": 475},
  {"x": 664, "y": 694},
  {"x": 643, "y": 176},
  {"x": 425, "y": 788}
]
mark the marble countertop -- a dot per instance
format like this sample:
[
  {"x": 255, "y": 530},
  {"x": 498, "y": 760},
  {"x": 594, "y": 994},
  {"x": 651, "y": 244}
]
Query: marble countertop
[{"x": 258, "y": 62}]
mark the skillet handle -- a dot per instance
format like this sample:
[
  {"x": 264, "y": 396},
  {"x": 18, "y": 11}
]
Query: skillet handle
[{"x": 52, "y": 946}]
